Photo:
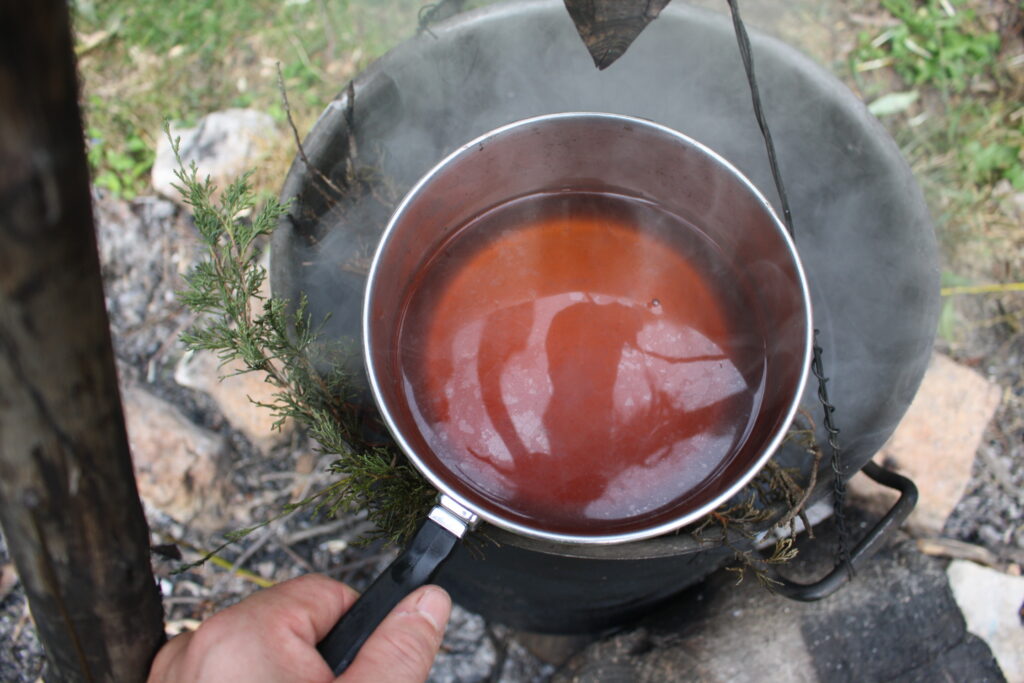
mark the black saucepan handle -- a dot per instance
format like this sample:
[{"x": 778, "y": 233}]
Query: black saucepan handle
[
  {"x": 868, "y": 545},
  {"x": 417, "y": 564}
]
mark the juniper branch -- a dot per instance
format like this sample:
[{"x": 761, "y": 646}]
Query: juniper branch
[{"x": 239, "y": 323}]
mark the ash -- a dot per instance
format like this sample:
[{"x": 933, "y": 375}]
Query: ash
[{"x": 21, "y": 655}]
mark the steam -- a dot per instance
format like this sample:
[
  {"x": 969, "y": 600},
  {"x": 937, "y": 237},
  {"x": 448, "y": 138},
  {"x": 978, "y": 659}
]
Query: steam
[{"x": 861, "y": 225}]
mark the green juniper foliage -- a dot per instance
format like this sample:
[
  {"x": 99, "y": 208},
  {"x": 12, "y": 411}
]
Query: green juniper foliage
[
  {"x": 937, "y": 42},
  {"x": 239, "y": 323}
]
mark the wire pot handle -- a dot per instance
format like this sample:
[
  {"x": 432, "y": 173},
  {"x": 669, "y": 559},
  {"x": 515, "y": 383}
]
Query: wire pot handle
[{"x": 867, "y": 547}]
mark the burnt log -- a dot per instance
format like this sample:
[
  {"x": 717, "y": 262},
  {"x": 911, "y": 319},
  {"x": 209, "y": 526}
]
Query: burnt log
[
  {"x": 609, "y": 27},
  {"x": 68, "y": 504}
]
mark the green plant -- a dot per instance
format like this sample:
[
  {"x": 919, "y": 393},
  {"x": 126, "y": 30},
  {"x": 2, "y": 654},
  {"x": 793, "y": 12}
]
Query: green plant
[
  {"x": 934, "y": 42},
  {"x": 238, "y": 323},
  {"x": 986, "y": 140},
  {"x": 987, "y": 164},
  {"x": 119, "y": 168}
]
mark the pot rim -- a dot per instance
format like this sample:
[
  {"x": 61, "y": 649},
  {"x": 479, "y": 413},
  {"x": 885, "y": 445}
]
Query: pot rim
[{"x": 439, "y": 482}]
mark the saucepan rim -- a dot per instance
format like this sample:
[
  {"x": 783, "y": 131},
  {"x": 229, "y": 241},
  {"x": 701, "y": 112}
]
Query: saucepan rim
[{"x": 439, "y": 482}]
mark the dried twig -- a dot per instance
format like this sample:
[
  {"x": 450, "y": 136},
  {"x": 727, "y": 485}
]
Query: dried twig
[
  {"x": 799, "y": 508},
  {"x": 948, "y": 547},
  {"x": 350, "y": 124},
  {"x": 298, "y": 142},
  {"x": 344, "y": 571},
  {"x": 995, "y": 288},
  {"x": 221, "y": 562},
  {"x": 313, "y": 532},
  {"x": 287, "y": 549},
  {"x": 236, "y": 567}
]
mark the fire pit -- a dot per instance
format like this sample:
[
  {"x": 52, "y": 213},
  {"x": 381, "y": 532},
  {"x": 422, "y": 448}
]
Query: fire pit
[{"x": 862, "y": 231}]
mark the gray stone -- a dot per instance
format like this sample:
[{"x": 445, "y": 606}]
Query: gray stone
[
  {"x": 970, "y": 660},
  {"x": 896, "y": 621},
  {"x": 467, "y": 653},
  {"x": 899, "y": 616},
  {"x": 223, "y": 145},
  {"x": 552, "y": 649},
  {"x": 144, "y": 249}
]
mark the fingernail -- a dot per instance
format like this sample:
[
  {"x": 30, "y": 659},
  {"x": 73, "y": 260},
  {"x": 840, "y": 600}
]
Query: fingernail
[{"x": 436, "y": 606}]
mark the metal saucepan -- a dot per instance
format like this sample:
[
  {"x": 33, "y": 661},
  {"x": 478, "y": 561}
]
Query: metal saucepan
[{"x": 594, "y": 452}]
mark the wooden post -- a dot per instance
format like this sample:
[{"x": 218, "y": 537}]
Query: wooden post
[{"x": 68, "y": 503}]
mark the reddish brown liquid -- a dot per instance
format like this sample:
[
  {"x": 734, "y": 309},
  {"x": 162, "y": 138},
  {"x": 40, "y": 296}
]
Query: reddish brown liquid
[{"x": 580, "y": 360}]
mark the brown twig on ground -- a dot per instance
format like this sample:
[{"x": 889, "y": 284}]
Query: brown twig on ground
[
  {"x": 238, "y": 565},
  {"x": 23, "y": 621},
  {"x": 313, "y": 532},
  {"x": 344, "y": 572},
  {"x": 958, "y": 550},
  {"x": 287, "y": 549},
  {"x": 298, "y": 142}
]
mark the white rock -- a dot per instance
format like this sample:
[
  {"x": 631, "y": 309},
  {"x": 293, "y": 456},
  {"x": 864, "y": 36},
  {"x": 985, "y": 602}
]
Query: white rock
[
  {"x": 223, "y": 144},
  {"x": 991, "y": 603}
]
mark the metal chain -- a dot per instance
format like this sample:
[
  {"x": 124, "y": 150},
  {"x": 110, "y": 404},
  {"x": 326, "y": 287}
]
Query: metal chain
[
  {"x": 838, "y": 484},
  {"x": 817, "y": 364}
]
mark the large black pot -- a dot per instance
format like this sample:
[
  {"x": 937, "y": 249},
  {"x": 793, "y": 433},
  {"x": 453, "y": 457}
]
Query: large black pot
[{"x": 862, "y": 231}]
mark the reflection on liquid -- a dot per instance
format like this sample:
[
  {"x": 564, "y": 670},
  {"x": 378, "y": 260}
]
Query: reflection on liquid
[{"x": 577, "y": 370}]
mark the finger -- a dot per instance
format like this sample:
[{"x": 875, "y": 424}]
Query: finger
[
  {"x": 168, "y": 659},
  {"x": 403, "y": 647},
  {"x": 309, "y": 605}
]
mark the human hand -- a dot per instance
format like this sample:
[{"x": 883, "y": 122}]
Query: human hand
[{"x": 271, "y": 637}]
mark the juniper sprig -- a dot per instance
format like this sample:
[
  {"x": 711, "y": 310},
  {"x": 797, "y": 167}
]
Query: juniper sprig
[{"x": 238, "y": 322}]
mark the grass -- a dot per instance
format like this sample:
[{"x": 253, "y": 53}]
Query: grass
[
  {"x": 144, "y": 62},
  {"x": 947, "y": 78},
  {"x": 938, "y": 43}
]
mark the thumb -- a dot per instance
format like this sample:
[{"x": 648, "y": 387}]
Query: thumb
[{"x": 403, "y": 647}]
